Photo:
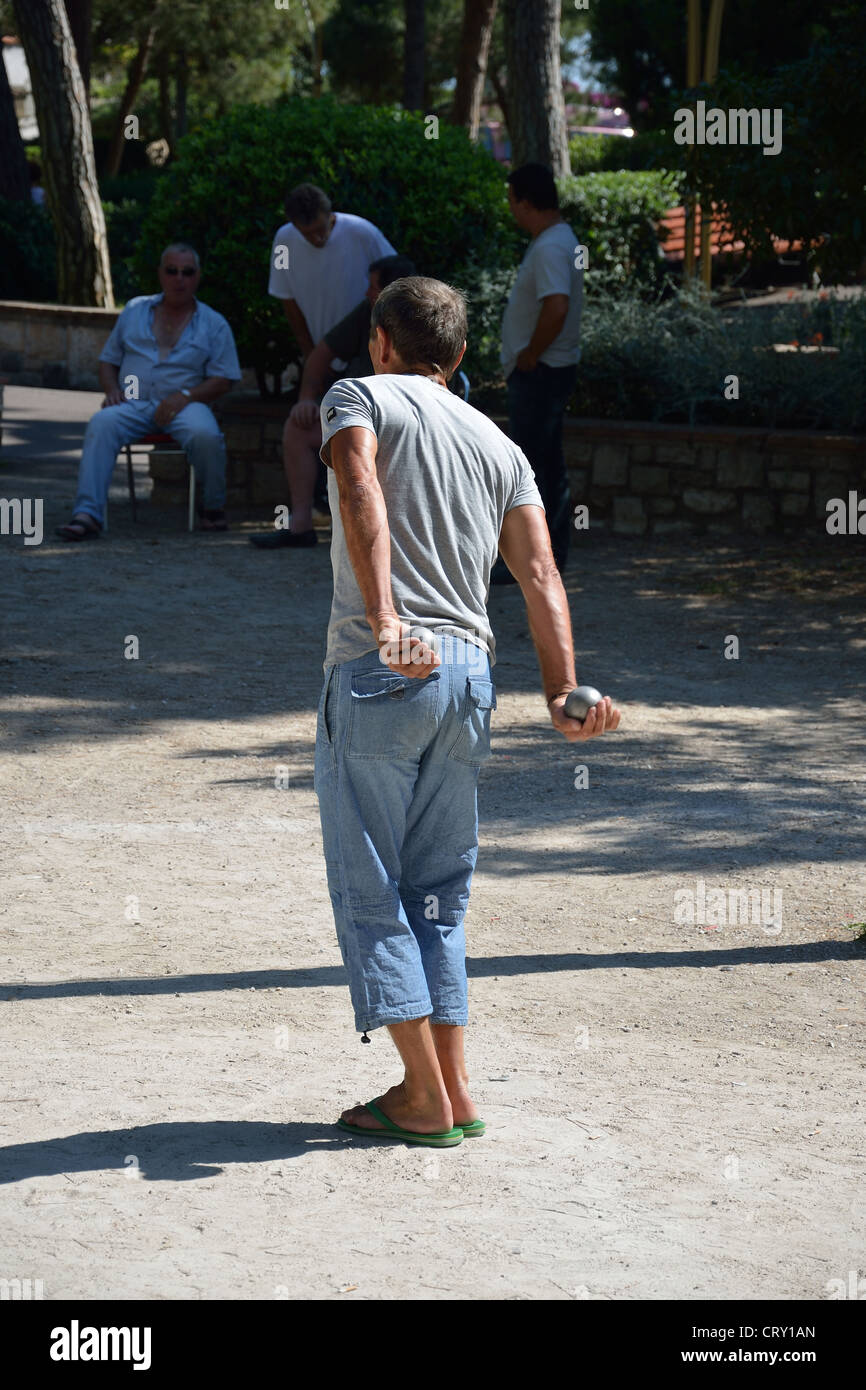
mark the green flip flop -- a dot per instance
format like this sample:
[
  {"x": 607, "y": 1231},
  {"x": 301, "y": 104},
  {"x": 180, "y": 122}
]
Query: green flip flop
[
  {"x": 445, "y": 1140},
  {"x": 476, "y": 1127}
]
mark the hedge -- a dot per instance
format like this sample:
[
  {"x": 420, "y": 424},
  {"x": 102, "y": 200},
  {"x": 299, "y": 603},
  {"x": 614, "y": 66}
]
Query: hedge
[
  {"x": 615, "y": 216},
  {"x": 668, "y": 360},
  {"x": 441, "y": 201}
]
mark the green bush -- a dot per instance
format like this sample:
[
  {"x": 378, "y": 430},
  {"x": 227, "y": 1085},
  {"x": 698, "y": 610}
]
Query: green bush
[
  {"x": 27, "y": 257},
  {"x": 668, "y": 361},
  {"x": 440, "y": 201},
  {"x": 615, "y": 216},
  {"x": 123, "y": 227},
  {"x": 650, "y": 149}
]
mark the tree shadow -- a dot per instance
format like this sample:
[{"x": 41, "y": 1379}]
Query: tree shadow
[
  {"x": 477, "y": 967},
  {"x": 176, "y": 1151}
]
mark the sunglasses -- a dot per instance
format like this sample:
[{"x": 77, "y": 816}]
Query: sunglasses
[{"x": 186, "y": 271}]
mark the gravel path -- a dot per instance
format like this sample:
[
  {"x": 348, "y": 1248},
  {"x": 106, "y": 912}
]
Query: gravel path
[{"x": 674, "y": 1109}]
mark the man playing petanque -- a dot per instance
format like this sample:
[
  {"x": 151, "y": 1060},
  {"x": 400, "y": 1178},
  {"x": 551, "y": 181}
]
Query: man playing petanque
[{"x": 423, "y": 490}]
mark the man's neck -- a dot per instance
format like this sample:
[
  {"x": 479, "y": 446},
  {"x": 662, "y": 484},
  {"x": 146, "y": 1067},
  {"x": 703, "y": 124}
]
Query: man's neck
[
  {"x": 177, "y": 311},
  {"x": 431, "y": 376},
  {"x": 545, "y": 220}
]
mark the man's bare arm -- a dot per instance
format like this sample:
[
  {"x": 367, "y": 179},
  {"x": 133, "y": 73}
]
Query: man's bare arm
[
  {"x": 317, "y": 376},
  {"x": 550, "y": 323},
  {"x": 364, "y": 516},
  {"x": 365, "y": 520},
  {"x": 209, "y": 389},
  {"x": 298, "y": 325},
  {"x": 524, "y": 543},
  {"x": 109, "y": 380}
]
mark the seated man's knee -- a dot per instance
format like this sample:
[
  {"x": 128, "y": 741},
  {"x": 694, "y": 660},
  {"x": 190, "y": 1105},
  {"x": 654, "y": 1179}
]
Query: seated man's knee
[{"x": 201, "y": 423}]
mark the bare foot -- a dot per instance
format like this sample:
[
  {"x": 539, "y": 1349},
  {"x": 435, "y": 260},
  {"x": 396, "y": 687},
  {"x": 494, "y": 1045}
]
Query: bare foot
[
  {"x": 463, "y": 1107},
  {"x": 429, "y": 1119}
]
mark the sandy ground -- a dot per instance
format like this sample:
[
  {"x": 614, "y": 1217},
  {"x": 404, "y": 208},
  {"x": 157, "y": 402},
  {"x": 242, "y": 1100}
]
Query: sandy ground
[{"x": 673, "y": 1109}]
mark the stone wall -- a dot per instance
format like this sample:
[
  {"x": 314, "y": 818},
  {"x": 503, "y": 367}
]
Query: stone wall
[
  {"x": 634, "y": 479},
  {"x": 255, "y": 480},
  {"x": 53, "y": 346},
  {"x": 640, "y": 479}
]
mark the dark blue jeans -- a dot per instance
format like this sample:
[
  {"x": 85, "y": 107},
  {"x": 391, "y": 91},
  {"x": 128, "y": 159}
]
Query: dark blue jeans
[{"x": 536, "y": 409}]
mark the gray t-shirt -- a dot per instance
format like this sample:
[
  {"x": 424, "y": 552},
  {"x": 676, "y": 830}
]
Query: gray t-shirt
[
  {"x": 448, "y": 476},
  {"x": 547, "y": 268}
]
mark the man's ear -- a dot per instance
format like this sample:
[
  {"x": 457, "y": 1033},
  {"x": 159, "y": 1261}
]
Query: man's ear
[
  {"x": 383, "y": 344},
  {"x": 458, "y": 360}
]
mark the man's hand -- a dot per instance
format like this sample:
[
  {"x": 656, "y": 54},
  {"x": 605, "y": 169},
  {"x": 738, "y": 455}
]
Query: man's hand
[
  {"x": 526, "y": 361},
  {"x": 167, "y": 409},
  {"x": 602, "y": 718},
  {"x": 304, "y": 414},
  {"x": 406, "y": 655},
  {"x": 113, "y": 397}
]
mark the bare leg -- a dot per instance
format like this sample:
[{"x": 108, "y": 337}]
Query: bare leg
[
  {"x": 420, "y": 1101},
  {"x": 448, "y": 1041},
  {"x": 301, "y": 464}
]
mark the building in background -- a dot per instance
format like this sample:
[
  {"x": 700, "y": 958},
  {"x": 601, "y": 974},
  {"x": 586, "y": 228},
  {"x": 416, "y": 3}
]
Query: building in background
[{"x": 22, "y": 92}]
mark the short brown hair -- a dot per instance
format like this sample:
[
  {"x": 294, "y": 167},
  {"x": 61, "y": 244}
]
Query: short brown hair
[
  {"x": 307, "y": 202},
  {"x": 425, "y": 320}
]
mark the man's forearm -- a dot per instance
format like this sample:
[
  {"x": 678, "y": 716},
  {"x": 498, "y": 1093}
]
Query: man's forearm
[
  {"x": 109, "y": 377},
  {"x": 365, "y": 521},
  {"x": 298, "y": 325},
  {"x": 368, "y": 541},
  {"x": 550, "y": 324},
  {"x": 550, "y": 628},
  {"x": 209, "y": 389},
  {"x": 314, "y": 380}
]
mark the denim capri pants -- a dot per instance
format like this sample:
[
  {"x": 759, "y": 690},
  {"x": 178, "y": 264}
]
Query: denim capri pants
[{"x": 397, "y": 764}]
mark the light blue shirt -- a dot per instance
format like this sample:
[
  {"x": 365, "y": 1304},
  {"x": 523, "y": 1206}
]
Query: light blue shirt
[{"x": 205, "y": 348}]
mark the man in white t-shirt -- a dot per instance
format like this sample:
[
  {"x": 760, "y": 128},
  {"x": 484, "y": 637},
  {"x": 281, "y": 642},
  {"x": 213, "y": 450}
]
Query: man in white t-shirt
[
  {"x": 541, "y": 345},
  {"x": 319, "y": 262}
]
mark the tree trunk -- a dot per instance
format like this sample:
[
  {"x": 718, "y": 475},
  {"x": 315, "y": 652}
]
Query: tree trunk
[
  {"x": 500, "y": 88},
  {"x": 79, "y": 14},
  {"x": 413, "y": 55},
  {"x": 166, "y": 117},
  {"x": 181, "y": 86},
  {"x": 478, "y": 17},
  {"x": 14, "y": 175},
  {"x": 127, "y": 101},
  {"x": 71, "y": 191},
  {"x": 537, "y": 123}
]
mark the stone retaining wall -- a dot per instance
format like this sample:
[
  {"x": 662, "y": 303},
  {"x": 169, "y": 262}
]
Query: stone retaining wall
[
  {"x": 639, "y": 479},
  {"x": 635, "y": 479},
  {"x": 51, "y": 345}
]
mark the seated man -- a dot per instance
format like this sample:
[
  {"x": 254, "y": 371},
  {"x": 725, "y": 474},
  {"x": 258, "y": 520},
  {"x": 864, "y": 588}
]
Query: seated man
[
  {"x": 302, "y": 436},
  {"x": 167, "y": 357}
]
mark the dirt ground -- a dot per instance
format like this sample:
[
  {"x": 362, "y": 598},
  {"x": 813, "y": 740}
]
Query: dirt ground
[{"x": 674, "y": 1109}]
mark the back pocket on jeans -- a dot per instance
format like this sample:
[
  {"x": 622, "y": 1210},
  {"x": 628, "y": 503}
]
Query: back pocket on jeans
[
  {"x": 392, "y": 716},
  {"x": 473, "y": 743}
]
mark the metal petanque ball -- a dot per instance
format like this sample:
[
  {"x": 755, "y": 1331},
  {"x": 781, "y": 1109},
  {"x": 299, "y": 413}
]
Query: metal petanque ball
[
  {"x": 429, "y": 638},
  {"x": 580, "y": 701}
]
